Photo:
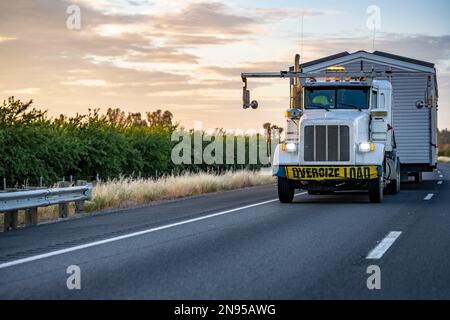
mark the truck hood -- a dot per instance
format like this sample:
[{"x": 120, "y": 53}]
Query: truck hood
[{"x": 350, "y": 116}]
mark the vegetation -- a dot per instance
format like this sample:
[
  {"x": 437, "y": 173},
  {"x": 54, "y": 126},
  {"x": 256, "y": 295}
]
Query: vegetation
[
  {"x": 125, "y": 192},
  {"x": 88, "y": 146},
  {"x": 444, "y": 143}
]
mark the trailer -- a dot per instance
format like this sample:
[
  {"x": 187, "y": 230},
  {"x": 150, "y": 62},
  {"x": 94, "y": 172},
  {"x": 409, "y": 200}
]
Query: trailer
[{"x": 415, "y": 105}]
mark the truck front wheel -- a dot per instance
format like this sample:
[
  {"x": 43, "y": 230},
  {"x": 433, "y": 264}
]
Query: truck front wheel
[
  {"x": 285, "y": 191},
  {"x": 376, "y": 190}
]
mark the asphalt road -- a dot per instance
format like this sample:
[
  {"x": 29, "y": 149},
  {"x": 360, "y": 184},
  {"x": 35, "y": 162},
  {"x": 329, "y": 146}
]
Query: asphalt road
[{"x": 243, "y": 245}]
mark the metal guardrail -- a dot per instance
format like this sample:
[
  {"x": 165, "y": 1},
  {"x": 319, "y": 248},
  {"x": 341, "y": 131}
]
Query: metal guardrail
[
  {"x": 31, "y": 200},
  {"x": 22, "y": 200}
]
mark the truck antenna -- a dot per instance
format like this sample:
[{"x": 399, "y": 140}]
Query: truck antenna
[
  {"x": 301, "y": 39},
  {"x": 374, "y": 37}
]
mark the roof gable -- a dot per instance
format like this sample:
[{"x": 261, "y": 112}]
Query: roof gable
[{"x": 375, "y": 57}]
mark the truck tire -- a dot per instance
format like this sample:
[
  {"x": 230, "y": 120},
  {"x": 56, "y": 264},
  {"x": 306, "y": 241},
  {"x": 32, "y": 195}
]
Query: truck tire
[
  {"x": 376, "y": 190},
  {"x": 285, "y": 191},
  {"x": 394, "y": 186}
]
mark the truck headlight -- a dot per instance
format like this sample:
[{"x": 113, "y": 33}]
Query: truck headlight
[
  {"x": 291, "y": 147},
  {"x": 366, "y": 147}
]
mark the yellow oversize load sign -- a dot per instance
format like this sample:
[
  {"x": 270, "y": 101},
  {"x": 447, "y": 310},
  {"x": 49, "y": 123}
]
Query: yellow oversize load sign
[{"x": 332, "y": 173}]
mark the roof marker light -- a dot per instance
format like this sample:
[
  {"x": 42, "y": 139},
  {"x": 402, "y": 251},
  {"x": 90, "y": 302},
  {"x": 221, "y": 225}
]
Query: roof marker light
[{"x": 336, "y": 69}]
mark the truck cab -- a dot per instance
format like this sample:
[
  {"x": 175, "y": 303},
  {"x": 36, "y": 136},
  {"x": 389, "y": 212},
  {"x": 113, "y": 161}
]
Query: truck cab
[
  {"x": 342, "y": 125},
  {"x": 340, "y": 137}
]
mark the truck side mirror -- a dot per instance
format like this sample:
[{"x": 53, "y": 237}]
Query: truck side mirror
[
  {"x": 419, "y": 104},
  {"x": 245, "y": 98}
]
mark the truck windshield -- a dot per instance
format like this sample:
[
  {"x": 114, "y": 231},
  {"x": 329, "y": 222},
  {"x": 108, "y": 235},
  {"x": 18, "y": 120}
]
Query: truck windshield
[{"x": 337, "y": 98}]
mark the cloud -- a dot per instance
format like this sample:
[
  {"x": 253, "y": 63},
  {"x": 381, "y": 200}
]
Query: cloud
[
  {"x": 88, "y": 83},
  {"x": 198, "y": 40},
  {"x": 235, "y": 72},
  {"x": 277, "y": 14},
  {"x": 433, "y": 49},
  {"x": 119, "y": 7},
  {"x": 204, "y": 18},
  {"x": 5, "y": 39},
  {"x": 186, "y": 55},
  {"x": 30, "y": 91}
]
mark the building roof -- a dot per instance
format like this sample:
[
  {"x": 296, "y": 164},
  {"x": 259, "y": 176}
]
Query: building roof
[
  {"x": 325, "y": 59},
  {"x": 377, "y": 53},
  {"x": 414, "y": 61}
]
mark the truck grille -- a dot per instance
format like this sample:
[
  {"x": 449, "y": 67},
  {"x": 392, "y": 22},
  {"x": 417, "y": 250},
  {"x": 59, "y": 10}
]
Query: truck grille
[{"x": 327, "y": 143}]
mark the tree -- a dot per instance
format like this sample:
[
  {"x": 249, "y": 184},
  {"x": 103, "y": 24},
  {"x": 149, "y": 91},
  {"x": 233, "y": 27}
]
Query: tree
[
  {"x": 444, "y": 143},
  {"x": 270, "y": 131},
  {"x": 15, "y": 111},
  {"x": 159, "y": 118}
]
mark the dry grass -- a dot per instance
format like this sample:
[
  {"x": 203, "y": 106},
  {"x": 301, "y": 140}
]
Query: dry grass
[{"x": 126, "y": 192}]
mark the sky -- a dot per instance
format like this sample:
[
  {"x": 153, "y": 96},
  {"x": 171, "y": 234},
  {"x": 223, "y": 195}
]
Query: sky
[{"x": 187, "y": 55}]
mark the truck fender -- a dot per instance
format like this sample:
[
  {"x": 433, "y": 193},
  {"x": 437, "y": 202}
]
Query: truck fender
[
  {"x": 281, "y": 159},
  {"x": 375, "y": 157}
]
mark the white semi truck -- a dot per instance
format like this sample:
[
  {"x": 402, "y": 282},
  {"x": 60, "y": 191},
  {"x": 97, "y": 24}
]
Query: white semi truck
[{"x": 340, "y": 131}]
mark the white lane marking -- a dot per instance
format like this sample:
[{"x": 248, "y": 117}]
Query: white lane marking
[
  {"x": 429, "y": 197},
  {"x": 131, "y": 235},
  {"x": 440, "y": 182},
  {"x": 441, "y": 176},
  {"x": 379, "y": 251}
]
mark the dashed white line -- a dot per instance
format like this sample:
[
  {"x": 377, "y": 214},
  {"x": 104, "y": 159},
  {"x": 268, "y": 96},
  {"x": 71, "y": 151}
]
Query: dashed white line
[
  {"x": 379, "y": 251},
  {"x": 440, "y": 182},
  {"x": 441, "y": 176},
  {"x": 429, "y": 197},
  {"x": 131, "y": 235}
]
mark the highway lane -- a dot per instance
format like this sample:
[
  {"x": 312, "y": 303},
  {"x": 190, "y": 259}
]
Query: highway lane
[{"x": 315, "y": 248}]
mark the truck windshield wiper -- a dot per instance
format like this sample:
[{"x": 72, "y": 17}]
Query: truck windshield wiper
[
  {"x": 351, "y": 106},
  {"x": 318, "y": 106}
]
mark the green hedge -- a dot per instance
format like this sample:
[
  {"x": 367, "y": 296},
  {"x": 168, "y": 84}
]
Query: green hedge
[{"x": 34, "y": 145}]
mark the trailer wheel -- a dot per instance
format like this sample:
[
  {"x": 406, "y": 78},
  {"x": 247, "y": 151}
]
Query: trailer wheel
[
  {"x": 285, "y": 191},
  {"x": 376, "y": 190},
  {"x": 394, "y": 186}
]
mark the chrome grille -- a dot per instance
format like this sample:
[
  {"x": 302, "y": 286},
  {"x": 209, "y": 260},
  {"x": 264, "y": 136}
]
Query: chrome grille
[{"x": 327, "y": 143}]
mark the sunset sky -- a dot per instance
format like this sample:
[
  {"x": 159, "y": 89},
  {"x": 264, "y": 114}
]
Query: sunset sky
[{"x": 187, "y": 55}]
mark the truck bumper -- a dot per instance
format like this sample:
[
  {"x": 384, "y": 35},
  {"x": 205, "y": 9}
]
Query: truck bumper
[{"x": 328, "y": 173}]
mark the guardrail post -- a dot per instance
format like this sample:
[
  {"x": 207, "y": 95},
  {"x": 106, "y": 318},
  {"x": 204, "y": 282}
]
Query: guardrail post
[
  {"x": 63, "y": 207},
  {"x": 79, "y": 205},
  {"x": 11, "y": 220},
  {"x": 31, "y": 217}
]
